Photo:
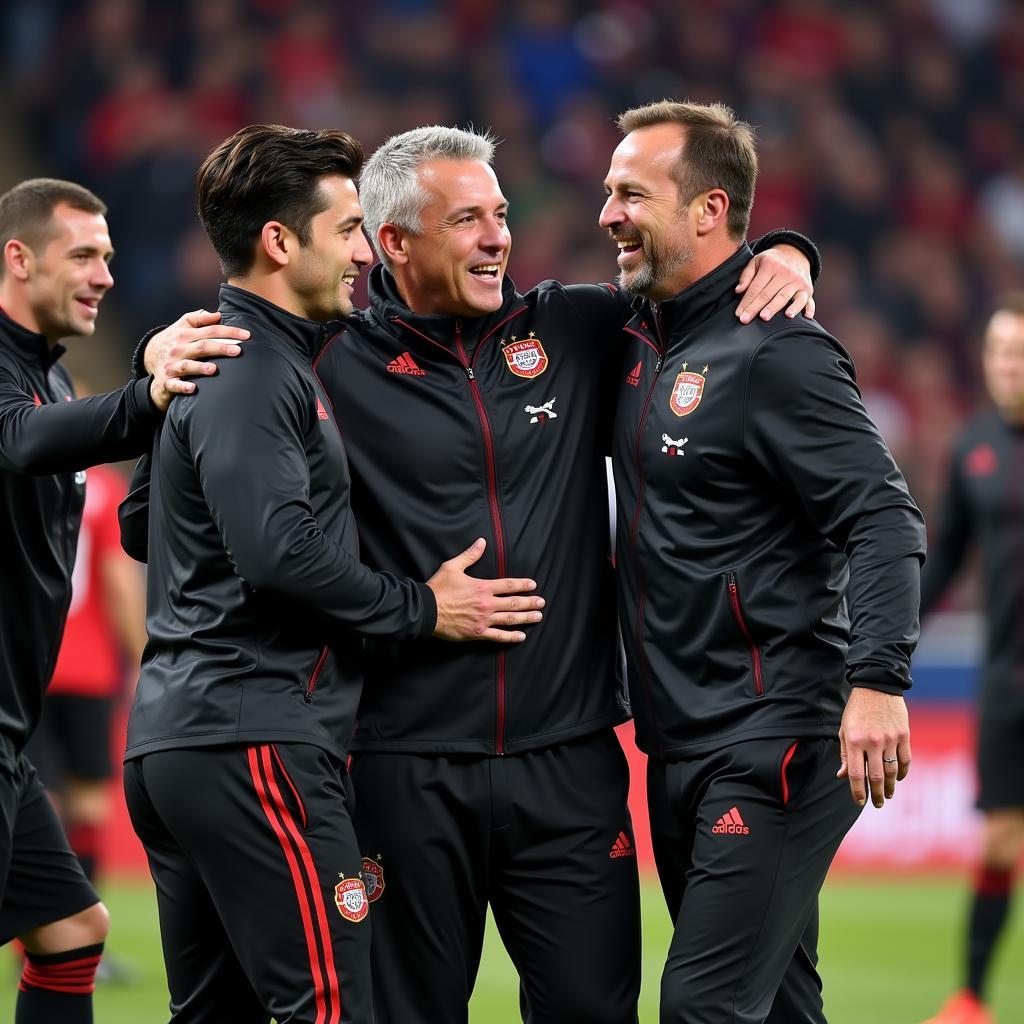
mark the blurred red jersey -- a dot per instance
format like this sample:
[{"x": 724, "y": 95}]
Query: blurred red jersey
[{"x": 89, "y": 663}]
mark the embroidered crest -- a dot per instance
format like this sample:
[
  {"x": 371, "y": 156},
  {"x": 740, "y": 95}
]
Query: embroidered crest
[
  {"x": 526, "y": 358},
  {"x": 541, "y": 413},
  {"x": 672, "y": 447},
  {"x": 373, "y": 878},
  {"x": 350, "y": 899},
  {"x": 687, "y": 391}
]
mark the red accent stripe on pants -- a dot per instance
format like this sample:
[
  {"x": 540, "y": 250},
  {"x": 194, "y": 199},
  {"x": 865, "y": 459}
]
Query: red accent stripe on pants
[{"x": 318, "y": 935}]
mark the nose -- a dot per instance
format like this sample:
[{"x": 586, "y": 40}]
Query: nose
[
  {"x": 101, "y": 276},
  {"x": 495, "y": 235},
  {"x": 362, "y": 256},
  {"x": 611, "y": 212}
]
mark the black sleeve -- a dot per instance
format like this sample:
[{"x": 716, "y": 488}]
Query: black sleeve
[
  {"x": 63, "y": 437},
  {"x": 946, "y": 555},
  {"x": 805, "y": 424},
  {"x": 784, "y": 236},
  {"x": 133, "y": 512},
  {"x": 245, "y": 431}
]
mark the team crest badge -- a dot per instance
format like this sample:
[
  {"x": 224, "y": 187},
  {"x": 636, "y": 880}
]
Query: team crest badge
[
  {"x": 350, "y": 899},
  {"x": 373, "y": 878},
  {"x": 526, "y": 358},
  {"x": 687, "y": 391}
]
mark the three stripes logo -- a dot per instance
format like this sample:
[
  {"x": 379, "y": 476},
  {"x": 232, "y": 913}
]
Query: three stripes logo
[
  {"x": 321, "y": 411},
  {"x": 633, "y": 377},
  {"x": 405, "y": 364},
  {"x": 622, "y": 847},
  {"x": 730, "y": 824}
]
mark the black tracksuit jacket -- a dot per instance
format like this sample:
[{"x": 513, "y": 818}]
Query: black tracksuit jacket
[
  {"x": 46, "y": 443},
  {"x": 768, "y": 549},
  {"x": 984, "y": 504},
  {"x": 496, "y": 427},
  {"x": 255, "y": 588}
]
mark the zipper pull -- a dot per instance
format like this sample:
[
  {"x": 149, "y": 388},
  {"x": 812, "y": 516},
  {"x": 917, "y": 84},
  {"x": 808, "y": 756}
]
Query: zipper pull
[
  {"x": 308, "y": 696},
  {"x": 657, "y": 365},
  {"x": 469, "y": 373}
]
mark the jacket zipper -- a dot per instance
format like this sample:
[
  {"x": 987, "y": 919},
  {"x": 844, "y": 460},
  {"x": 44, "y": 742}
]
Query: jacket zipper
[
  {"x": 315, "y": 677},
  {"x": 492, "y": 483},
  {"x": 635, "y": 525},
  {"x": 492, "y": 500},
  {"x": 737, "y": 614}
]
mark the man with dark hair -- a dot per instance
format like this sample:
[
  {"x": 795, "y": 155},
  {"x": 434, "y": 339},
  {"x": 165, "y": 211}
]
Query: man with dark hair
[
  {"x": 489, "y": 777},
  {"x": 769, "y": 556},
  {"x": 256, "y": 603},
  {"x": 54, "y": 274},
  {"x": 982, "y": 505}
]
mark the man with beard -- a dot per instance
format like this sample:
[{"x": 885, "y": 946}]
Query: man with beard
[
  {"x": 769, "y": 560},
  {"x": 483, "y": 777}
]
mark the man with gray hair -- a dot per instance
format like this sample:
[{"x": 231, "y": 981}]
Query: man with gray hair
[{"x": 489, "y": 777}]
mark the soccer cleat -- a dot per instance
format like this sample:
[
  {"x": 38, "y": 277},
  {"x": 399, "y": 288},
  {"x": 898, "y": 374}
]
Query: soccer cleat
[{"x": 963, "y": 1007}]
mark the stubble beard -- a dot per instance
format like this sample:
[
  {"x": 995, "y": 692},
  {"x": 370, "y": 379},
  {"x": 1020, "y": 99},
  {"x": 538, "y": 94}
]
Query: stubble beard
[{"x": 655, "y": 267}]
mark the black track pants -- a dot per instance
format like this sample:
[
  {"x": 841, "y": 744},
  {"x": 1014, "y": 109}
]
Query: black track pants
[
  {"x": 743, "y": 839},
  {"x": 544, "y": 838},
  {"x": 263, "y": 911}
]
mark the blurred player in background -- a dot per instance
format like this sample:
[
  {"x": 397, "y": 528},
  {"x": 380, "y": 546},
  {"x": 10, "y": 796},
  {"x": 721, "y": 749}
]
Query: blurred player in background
[{"x": 983, "y": 507}]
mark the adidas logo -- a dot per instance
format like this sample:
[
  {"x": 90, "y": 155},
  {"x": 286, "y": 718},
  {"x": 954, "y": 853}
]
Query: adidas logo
[
  {"x": 622, "y": 847},
  {"x": 406, "y": 364},
  {"x": 730, "y": 824},
  {"x": 633, "y": 377},
  {"x": 320, "y": 410}
]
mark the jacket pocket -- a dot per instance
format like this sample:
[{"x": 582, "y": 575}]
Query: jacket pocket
[
  {"x": 737, "y": 613},
  {"x": 314, "y": 677}
]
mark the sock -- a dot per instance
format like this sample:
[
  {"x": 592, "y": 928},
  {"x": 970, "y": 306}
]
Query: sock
[
  {"x": 84, "y": 840},
  {"x": 988, "y": 914},
  {"x": 57, "y": 988}
]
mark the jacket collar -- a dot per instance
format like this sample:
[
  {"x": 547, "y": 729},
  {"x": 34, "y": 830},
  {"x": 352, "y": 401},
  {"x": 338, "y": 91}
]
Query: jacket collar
[
  {"x": 706, "y": 296},
  {"x": 389, "y": 306},
  {"x": 307, "y": 337},
  {"x": 28, "y": 346}
]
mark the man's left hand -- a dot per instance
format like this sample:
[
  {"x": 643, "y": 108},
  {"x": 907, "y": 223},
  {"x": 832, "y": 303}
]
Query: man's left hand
[
  {"x": 874, "y": 739},
  {"x": 776, "y": 279}
]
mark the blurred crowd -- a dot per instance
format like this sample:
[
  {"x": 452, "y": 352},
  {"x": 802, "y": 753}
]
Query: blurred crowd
[{"x": 892, "y": 133}]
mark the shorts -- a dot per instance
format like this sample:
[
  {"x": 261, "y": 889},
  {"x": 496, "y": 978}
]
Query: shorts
[
  {"x": 1000, "y": 755},
  {"x": 72, "y": 739},
  {"x": 41, "y": 880}
]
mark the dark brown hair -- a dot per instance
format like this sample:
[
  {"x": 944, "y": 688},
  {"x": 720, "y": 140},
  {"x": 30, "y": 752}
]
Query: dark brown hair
[
  {"x": 268, "y": 172},
  {"x": 26, "y": 211},
  {"x": 719, "y": 152}
]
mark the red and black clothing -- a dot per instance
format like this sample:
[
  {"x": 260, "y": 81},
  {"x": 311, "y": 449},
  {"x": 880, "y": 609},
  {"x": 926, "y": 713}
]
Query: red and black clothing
[
  {"x": 249, "y": 683},
  {"x": 46, "y": 442},
  {"x": 769, "y": 557},
  {"x": 983, "y": 506}
]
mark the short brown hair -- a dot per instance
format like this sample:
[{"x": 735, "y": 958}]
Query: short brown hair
[
  {"x": 720, "y": 152},
  {"x": 26, "y": 211},
  {"x": 268, "y": 172},
  {"x": 1009, "y": 302}
]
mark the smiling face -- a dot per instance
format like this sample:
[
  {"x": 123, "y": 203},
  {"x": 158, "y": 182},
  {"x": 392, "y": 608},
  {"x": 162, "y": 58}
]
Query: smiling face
[
  {"x": 69, "y": 275},
  {"x": 322, "y": 273},
  {"x": 644, "y": 215},
  {"x": 1003, "y": 362},
  {"x": 456, "y": 262}
]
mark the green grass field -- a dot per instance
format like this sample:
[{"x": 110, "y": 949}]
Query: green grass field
[{"x": 889, "y": 955}]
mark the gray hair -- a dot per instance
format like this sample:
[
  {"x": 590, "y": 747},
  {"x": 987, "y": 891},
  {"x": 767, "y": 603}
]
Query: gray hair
[{"x": 389, "y": 186}]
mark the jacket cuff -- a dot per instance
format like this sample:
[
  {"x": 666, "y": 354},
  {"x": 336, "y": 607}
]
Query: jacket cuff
[
  {"x": 144, "y": 398},
  {"x": 138, "y": 356},
  {"x": 867, "y": 679},
  {"x": 429, "y": 621},
  {"x": 784, "y": 236}
]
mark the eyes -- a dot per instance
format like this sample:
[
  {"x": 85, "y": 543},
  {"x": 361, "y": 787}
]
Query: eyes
[{"x": 501, "y": 216}]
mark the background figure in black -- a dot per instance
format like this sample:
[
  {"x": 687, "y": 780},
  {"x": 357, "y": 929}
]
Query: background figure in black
[{"x": 983, "y": 505}]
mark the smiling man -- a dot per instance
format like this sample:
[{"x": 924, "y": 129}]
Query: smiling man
[
  {"x": 769, "y": 565},
  {"x": 489, "y": 777},
  {"x": 54, "y": 275},
  {"x": 257, "y": 603}
]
